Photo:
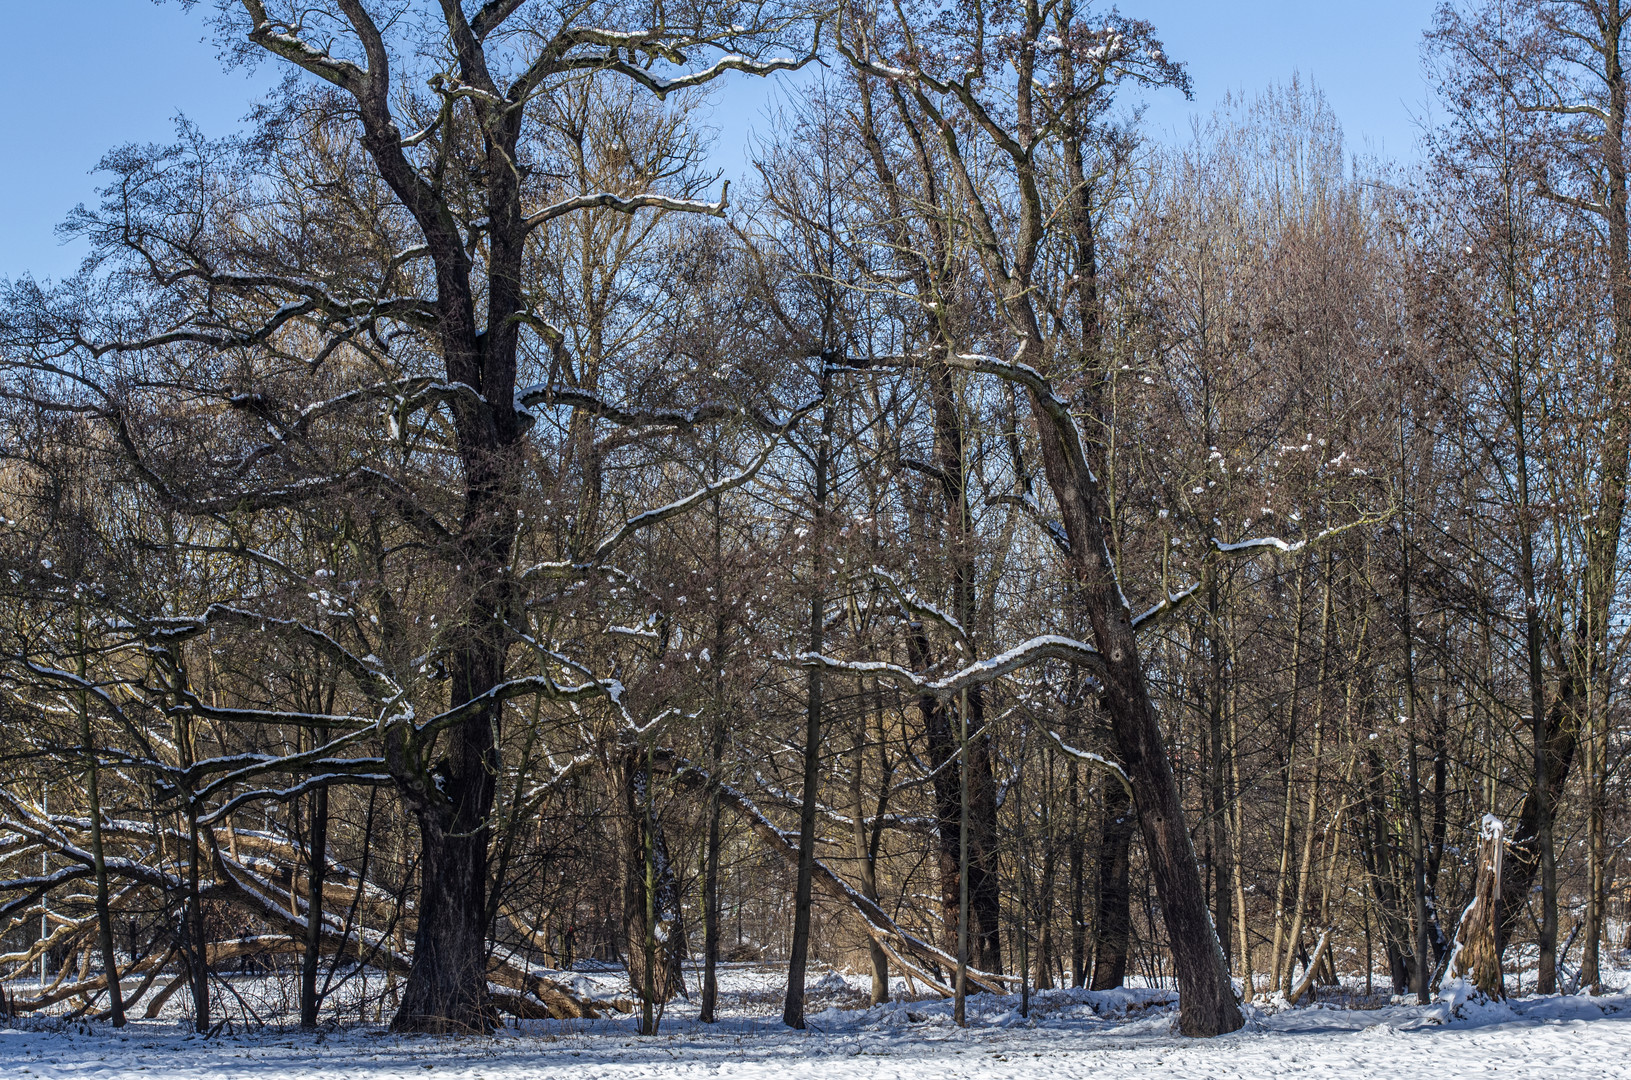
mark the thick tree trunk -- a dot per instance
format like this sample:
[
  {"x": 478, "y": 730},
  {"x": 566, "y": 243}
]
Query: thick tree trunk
[
  {"x": 447, "y": 985},
  {"x": 452, "y": 798},
  {"x": 446, "y": 992},
  {"x": 1207, "y": 1003},
  {"x": 1113, "y": 920}
]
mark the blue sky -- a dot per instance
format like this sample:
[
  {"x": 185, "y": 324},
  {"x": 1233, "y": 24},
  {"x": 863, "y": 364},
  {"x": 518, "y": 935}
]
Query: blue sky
[{"x": 87, "y": 75}]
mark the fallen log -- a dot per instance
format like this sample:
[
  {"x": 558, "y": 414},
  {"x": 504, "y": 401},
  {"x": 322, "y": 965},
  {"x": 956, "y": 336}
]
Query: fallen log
[{"x": 59, "y": 992}]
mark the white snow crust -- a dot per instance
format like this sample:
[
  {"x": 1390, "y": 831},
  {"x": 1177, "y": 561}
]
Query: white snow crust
[{"x": 1112, "y": 1035}]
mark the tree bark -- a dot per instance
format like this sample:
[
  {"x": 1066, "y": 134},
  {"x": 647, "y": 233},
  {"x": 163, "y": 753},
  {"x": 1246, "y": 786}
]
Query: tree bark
[
  {"x": 197, "y": 941},
  {"x": 710, "y": 912},
  {"x": 716, "y": 752},
  {"x": 1113, "y": 921},
  {"x": 1300, "y": 890},
  {"x": 193, "y": 935},
  {"x": 1477, "y": 954},
  {"x": 1237, "y": 832},
  {"x": 447, "y": 985},
  {"x": 1217, "y": 806}
]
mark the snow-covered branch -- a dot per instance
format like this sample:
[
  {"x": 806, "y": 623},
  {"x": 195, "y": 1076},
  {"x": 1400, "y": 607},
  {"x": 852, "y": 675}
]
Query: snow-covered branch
[
  {"x": 628, "y": 204},
  {"x": 918, "y": 608},
  {"x": 734, "y": 62},
  {"x": 1055, "y": 531},
  {"x": 1260, "y": 544},
  {"x": 1093, "y": 759},
  {"x": 1034, "y": 651},
  {"x": 646, "y": 520}
]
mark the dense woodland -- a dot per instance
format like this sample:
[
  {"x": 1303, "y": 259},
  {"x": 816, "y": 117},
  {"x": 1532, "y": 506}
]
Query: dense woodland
[{"x": 448, "y": 535}]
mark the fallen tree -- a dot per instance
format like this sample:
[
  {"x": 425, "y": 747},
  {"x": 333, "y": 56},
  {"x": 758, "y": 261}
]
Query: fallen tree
[{"x": 262, "y": 882}]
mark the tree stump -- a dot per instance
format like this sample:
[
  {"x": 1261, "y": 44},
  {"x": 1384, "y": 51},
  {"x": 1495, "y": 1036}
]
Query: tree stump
[{"x": 1477, "y": 954}]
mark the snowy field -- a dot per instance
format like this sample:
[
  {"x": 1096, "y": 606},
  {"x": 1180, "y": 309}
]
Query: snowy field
[{"x": 1071, "y": 1033}]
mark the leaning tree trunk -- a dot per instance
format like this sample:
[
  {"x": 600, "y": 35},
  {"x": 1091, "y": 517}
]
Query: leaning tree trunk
[{"x": 1207, "y": 1003}]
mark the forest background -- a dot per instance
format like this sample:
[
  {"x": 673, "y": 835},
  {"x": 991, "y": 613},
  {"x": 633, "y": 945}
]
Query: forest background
[{"x": 449, "y": 533}]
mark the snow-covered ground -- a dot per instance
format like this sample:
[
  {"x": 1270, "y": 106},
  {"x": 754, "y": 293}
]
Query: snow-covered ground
[{"x": 1070, "y": 1033}]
